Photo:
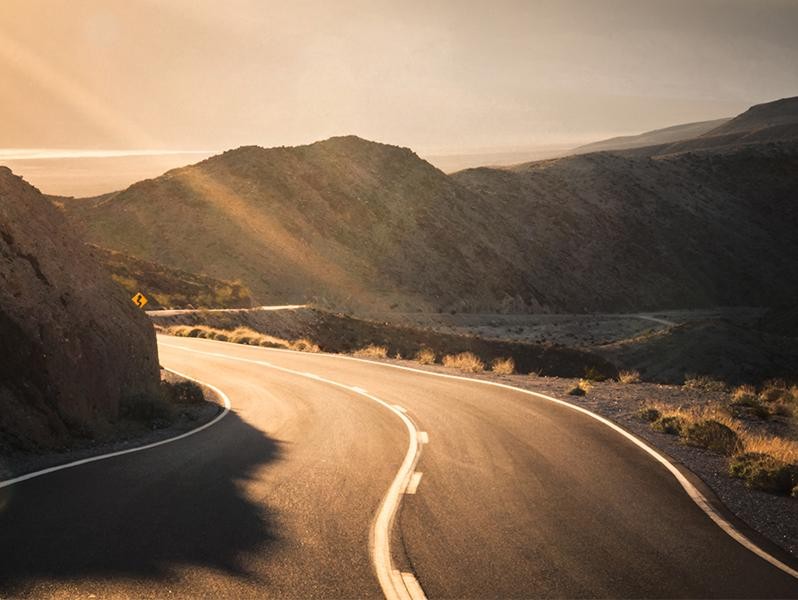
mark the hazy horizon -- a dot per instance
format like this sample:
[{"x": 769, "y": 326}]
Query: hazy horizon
[{"x": 445, "y": 79}]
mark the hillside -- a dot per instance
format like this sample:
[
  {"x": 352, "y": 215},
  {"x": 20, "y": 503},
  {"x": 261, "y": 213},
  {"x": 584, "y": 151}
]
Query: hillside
[
  {"x": 769, "y": 122},
  {"x": 615, "y": 233},
  {"x": 170, "y": 288},
  {"x": 355, "y": 224},
  {"x": 667, "y": 135},
  {"x": 344, "y": 221},
  {"x": 72, "y": 344}
]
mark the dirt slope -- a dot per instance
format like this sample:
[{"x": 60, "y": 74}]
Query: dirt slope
[
  {"x": 72, "y": 345},
  {"x": 170, "y": 288}
]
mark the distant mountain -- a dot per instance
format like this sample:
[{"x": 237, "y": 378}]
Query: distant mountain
[
  {"x": 656, "y": 137},
  {"x": 352, "y": 223},
  {"x": 72, "y": 344},
  {"x": 769, "y": 122}
]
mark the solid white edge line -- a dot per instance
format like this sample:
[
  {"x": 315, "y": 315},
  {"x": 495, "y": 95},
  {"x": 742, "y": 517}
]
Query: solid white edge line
[
  {"x": 90, "y": 459},
  {"x": 694, "y": 493},
  {"x": 390, "y": 579}
]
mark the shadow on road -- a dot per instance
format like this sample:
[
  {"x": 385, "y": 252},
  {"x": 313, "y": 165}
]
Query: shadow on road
[{"x": 140, "y": 515}]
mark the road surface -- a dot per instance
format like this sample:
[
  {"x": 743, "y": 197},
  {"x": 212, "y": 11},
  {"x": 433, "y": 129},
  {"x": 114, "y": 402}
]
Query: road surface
[{"x": 518, "y": 497}]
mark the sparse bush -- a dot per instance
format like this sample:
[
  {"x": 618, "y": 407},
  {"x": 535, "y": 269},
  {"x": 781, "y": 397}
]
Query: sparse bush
[
  {"x": 593, "y": 374},
  {"x": 744, "y": 403},
  {"x": 465, "y": 361},
  {"x": 503, "y": 366},
  {"x": 713, "y": 435},
  {"x": 425, "y": 356},
  {"x": 581, "y": 388},
  {"x": 305, "y": 345},
  {"x": 629, "y": 377},
  {"x": 649, "y": 414},
  {"x": 764, "y": 472},
  {"x": 703, "y": 382},
  {"x": 372, "y": 351},
  {"x": 776, "y": 390},
  {"x": 670, "y": 424}
]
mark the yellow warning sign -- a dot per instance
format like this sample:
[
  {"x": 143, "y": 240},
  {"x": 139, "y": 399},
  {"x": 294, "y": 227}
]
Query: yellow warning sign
[{"x": 139, "y": 300}]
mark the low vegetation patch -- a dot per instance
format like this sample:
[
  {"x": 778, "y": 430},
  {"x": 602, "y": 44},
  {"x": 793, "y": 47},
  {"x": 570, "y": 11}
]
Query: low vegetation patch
[
  {"x": 372, "y": 351},
  {"x": 594, "y": 374},
  {"x": 775, "y": 399},
  {"x": 764, "y": 472},
  {"x": 467, "y": 362},
  {"x": 765, "y": 462},
  {"x": 240, "y": 335},
  {"x": 629, "y": 377},
  {"x": 503, "y": 366},
  {"x": 581, "y": 388},
  {"x": 425, "y": 356},
  {"x": 713, "y": 435}
]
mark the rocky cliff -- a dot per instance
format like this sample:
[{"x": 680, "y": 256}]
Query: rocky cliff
[{"x": 73, "y": 346}]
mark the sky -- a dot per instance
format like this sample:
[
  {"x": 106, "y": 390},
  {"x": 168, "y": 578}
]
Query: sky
[{"x": 441, "y": 77}]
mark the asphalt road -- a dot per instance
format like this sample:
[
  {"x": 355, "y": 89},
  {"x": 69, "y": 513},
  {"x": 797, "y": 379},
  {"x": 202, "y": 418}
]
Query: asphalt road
[{"x": 519, "y": 497}]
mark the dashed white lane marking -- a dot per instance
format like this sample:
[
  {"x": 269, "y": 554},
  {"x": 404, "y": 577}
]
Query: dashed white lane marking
[
  {"x": 92, "y": 459},
  {"x": 423, "y": 437},
  {"x": 415, "y": 480},
  {"x": 392, "y": 582},
  {"x": 693, "y": 492}
]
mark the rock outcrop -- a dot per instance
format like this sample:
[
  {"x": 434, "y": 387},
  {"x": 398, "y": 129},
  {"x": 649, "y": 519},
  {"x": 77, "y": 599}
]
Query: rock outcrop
[{"x": 73, "y": 346}]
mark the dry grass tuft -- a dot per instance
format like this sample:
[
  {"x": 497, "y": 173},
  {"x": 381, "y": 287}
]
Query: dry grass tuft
[
  {"x": 372, "y": 351},
  {"x": 503, "y": 366},
  {"x": 425, "y": 356},
  {"x": 629, "y": 377},
  {"x": 240, "y": 335},
  {"x": 465, "y": 361},
  {"x": 304, "y": 345},
  {"x": 581, "y": 388}
]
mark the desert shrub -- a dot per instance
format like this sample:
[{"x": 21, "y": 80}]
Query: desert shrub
[
  {"x": 744, "y": 402},
  {"x": 503, "y": 366},
  {"x": 372, "y": 351},
  {"x": 712, "y": 435},
  {"x": 671, "y": 424},
  {"x": 764, "y": 472},
  {"x": 776, "y": 390},
  {"x": 703, "y": 382},
  {"x": 305, "y": 345},
  {"x": 581, "y": 388},
  {"x": 629, "y": 377},
  {"x": 649, "y": 414},
  {"x": 465, "y": 361},
  {"x": 593, "y": 374},
  {"x": 425, "y": 356}
]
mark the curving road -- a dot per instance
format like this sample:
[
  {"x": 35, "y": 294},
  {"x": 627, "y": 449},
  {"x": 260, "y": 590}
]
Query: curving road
[{"x": 517, "y": 497}]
